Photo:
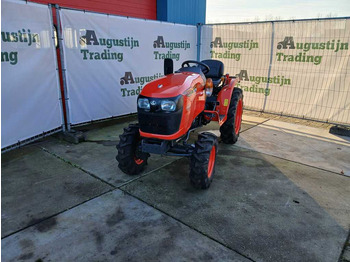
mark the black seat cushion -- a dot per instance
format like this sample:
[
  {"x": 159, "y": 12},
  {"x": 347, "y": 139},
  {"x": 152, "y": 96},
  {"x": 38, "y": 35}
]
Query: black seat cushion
[{"x": 216, "y": 70}]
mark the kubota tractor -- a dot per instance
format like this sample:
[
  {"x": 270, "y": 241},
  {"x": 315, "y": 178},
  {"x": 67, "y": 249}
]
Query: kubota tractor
[{"x": 173, "y": 106}]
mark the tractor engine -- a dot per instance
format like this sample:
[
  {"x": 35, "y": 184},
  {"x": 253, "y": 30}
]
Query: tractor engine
[{"x": 168, "y": 105}]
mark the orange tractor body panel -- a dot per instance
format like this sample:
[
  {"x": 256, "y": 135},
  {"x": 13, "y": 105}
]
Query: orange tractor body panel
[{"x": 190, "y": 86}]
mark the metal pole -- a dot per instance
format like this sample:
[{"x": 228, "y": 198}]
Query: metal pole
[
  {"x": 63, "y": 66},
  {"x": 60, "y": 94},
  {"x": 199, "y": 31},
  {"x": 271, "y": 58}
]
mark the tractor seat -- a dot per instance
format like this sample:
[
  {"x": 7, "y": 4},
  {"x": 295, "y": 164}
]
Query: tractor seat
[{"x": 216, "y": 70}]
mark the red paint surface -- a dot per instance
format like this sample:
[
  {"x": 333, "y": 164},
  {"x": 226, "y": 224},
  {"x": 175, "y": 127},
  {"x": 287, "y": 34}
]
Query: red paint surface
[
  {"x": 171, "y": 86},
  {"x": 134, "y": 8},
  {"x": 211, "y": 163},
  {"x": 238, "y": 120},
  {"x": 226, "y": 93}
]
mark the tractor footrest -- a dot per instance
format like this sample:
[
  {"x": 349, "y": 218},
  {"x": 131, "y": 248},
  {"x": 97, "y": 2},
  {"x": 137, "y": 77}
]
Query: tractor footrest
[{"x": 152, "y": 147}]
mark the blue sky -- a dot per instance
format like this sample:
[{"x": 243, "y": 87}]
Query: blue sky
[{"x": 223, "y": 11}]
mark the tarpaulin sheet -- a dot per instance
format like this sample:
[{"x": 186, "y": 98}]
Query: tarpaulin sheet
[
  {"x": 30, "y": 102},
  {"x": 109, "y": 59}
]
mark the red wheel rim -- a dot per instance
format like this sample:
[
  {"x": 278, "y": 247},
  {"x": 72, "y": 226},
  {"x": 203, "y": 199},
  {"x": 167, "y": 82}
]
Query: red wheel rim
[
  {"x": 138, "y": 161},
  {"x": 211, "y": 161},
  {"x": 238, "y": 120}
]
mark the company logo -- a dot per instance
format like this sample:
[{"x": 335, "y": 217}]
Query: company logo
[
  {"x": 256, "y": 80},
  {"x": 90, "y": 38},
  {"x": 21, "y": 36},
  {"x": 129, "y": 79},
  {"x": 218, "y": 43},
  {"x": 160, "y": 43},
  {"x": 248, "y": 44},
  {"x": 302, "y": 57}
]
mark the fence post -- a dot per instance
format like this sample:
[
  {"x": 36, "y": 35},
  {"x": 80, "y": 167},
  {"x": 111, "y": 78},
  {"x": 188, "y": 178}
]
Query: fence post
[
  {"x": 63, "y": 66},
  {"x": 199, "y": 31},
  {"x": 270, "y": 65},
  {"x": 61, "y": 97}
]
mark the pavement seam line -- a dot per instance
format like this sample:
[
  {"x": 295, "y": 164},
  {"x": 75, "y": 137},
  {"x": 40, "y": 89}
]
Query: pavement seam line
[
  {"x": 126, "y": 192},
  {"x": 67, "y": 209},
  {"x": 100, "y": 179},
  {"x": 298, "y": 138},
  {"x": 258, "y": 124},
  {"x": 145, "y": 174},
  {"x": 58, "y": 213},
  {"x": 319, "y": 137},
  {"x": 185, "y": 224},
  {"x": 78, "y": 167},
  {"x": 285, "y": 158},
  {"x": 293, "y": 161}
]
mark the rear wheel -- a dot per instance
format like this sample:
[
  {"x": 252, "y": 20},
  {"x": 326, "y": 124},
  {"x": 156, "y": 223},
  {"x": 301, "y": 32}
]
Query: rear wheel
[
  {"x": 203, "y": 160},
  {"x": 131, "y": 160},
  {"x": 230, "y": 129}
]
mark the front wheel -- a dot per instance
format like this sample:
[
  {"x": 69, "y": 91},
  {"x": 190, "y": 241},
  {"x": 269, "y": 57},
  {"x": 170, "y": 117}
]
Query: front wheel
[
  {"x": 230, "y": 129},
  {"x": 203, "y": 160},
  {"x": 131, "y": 160}
]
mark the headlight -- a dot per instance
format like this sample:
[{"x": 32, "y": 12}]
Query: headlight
[
  {"x": 168, "y": 105},
  {"x": 143, "y": 103}
]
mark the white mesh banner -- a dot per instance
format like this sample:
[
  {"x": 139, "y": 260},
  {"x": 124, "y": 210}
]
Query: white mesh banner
[
  {"x": 244, "y": 49},
  {"x": 109, "y": 59},
  {"x": 29, "y": 81},
  {"x": 308, "y": 73},
  {"x": 314, "y": 59}
]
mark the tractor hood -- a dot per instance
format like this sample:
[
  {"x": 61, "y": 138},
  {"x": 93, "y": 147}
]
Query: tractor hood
[{"x": 172, "y": 85}]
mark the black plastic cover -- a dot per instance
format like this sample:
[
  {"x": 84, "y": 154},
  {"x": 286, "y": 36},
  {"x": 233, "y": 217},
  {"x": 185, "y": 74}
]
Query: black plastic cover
[{"x": 157, "y": 121}]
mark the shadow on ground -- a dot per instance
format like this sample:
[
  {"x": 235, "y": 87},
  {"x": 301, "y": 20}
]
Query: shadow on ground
[
  {"x": 252, "y": 207},
  {"x": 64, "y": 202}
]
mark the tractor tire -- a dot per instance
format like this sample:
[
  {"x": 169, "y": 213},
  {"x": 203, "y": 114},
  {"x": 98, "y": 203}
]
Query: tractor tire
[
  {"x": 230, "y": 129},
  {"x": 203, "y": 160},
  {"x": 131, "y": 160}
]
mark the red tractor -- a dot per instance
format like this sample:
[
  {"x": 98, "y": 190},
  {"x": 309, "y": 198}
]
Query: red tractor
[{"x": 173, "y": 106}]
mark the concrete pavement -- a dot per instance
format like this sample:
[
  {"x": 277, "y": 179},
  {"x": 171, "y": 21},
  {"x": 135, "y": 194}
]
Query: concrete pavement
[{"x": 281, "y": 193}]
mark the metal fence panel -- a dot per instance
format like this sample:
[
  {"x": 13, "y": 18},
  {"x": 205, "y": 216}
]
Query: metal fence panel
[
  {"x": 313, "y": 58},
  {"x": 245, "y": 50},
  {"x": 297, "y": 68}
]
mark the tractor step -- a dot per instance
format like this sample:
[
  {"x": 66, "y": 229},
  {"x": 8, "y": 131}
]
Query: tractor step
[
  {"x": 154, "y": 147},
  {"x": 167, "y": 148}
]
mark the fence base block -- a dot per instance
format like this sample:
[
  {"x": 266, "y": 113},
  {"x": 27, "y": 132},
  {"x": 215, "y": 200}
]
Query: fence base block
[
  {"x": 73, "y": 136},
  {"x": 340, "y": 130}
]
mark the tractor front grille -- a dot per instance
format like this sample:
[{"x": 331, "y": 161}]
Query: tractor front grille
[{"x": 160, "y": 123}]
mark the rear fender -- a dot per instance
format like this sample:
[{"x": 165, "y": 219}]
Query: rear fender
[{"x": 224, "y": 97}]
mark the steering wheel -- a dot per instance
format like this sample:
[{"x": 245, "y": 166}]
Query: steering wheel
[{"x": 205, "y": 69}]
